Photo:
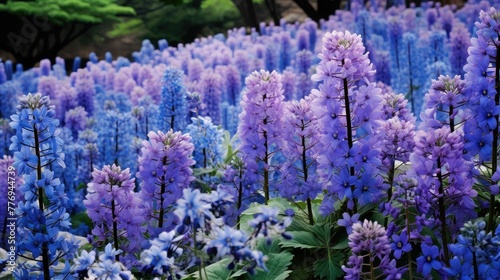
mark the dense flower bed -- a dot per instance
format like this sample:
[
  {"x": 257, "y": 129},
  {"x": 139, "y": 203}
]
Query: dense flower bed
[{"x": 363, "y": 147}]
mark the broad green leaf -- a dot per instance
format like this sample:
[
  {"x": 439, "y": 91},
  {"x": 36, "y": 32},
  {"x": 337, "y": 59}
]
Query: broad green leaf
[
  {"x": 303, "y": 240},
  {"x": 272, "y": 248},
  {"x": 216, "y": 271},
  {"x": 329, "y": 268},
  {"x": 277, "y": 265},
  {"x": 341, "y": 244}
]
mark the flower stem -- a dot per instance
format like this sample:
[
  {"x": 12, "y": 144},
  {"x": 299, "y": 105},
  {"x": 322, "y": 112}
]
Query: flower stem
[
  {"x": 494, "y": 146},
  {"x": 350, "y": 142},
  {"x": 442, "y": 213},
  {"x": 304, "y": 168},
  {"x": 41, "y": 195}
]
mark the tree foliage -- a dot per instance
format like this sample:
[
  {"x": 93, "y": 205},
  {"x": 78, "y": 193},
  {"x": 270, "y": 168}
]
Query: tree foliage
[{"x": 41, "y": 28}]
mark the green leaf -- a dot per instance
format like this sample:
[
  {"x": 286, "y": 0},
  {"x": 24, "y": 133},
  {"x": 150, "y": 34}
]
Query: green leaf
[
  {"x": 267, "y": 249},
  {"x": 216, "y": 271},
  {"x": 277, "y": 265},
  {"x": 342, "y": 244},
  {"x": 329, "y": 268},
  {"x": 303, "y": 240}
]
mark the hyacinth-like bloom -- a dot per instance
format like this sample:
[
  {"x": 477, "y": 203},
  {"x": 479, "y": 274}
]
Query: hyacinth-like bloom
[
  {"x": 232, "y": 83},
  {"x": 443, "y": 180},
  {"x": 397, "y": 142},
  {"x": 261, "y": 124},
  {"x": 76, "y": 120},
  {"x": 303, "y": 61},
  {"x": 369, "y": 239},
  {"x": 85, "y": 90},
  {"x": 173, "y": 107},
  {"x": 9, "y": 92},
  {"x": 444, "y": 103},
  {"x": 115, "y": 138},
  {"x": 347, "y": 107},
  {"x": 164, "y": 171},
  {"x": 105, "y": 267},
  {"x": 3, "y": 76},
  {"x": 87, "y": 140},
  {"x": 115, "y": 209},
  {"x": 459, "y": 43},
  {"x": 41, "y": 215},
  {"x": 67, "y": 99},
  {"x": 300, "y": 178},
  {"x": 482, "y": 83},
  {"x": 289, "y": 81},
  {"x": 207, "y": 139},
  {"x": 5, "y": 135},
  {"x": 474, "y": 242},
  {"x": 47, "y": 86},
  {"x": 410, "y": 81},
  {"x": 210, "y": 88}
]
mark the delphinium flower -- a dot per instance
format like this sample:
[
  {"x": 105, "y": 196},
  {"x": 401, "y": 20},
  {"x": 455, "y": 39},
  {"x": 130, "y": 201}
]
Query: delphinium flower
[
  {"x": 164, "y": 171},
  {"x": 5, "y": 135},
  {"x": 241, "y": 184},
  {"x": 41, "y": 214},
  {"x": 261, "y": 124},
  {"x": 272, "y": 56},
  {"x": 47, "y": 86},
  {"x": 242, "y": 63},
  {"x": 437, "y": 50},
  {"x": 115, "y": 210},
  {"x": 410, "y": 81},
  {"x": 210, "y": 88},
  {"x": 444, "y": 104},
  {"x": 371, "y": 250},
  {"x": 173, "y": 107},
  {"x": 312, "y": 27},
  {"x": 115, "y": 137},
  {"x": 288, "y": 80},
  {"x": 77, "y": 61},
  {"x": 476, "y": 253},
  {"x": 483, "y": 87},
  {"x": 160, "y": 258},
  {"x": 428, "y": 261},
  {"x": 105, "y": 267},
  {"x": 396, "y": 145},
  {"x": 67, "y": 99},
  {"x": 303, "y": 61},
  {"x": 3, "y": 76},
  {"x": 89, "y": 158},
  {"x": 300, "y": 178},
  {"x": 395, "y": 38},
  {"x": 443, "y": 181},
  {"x": 76, "y": 120},
  {"x": 9, "y": 92},
  {"x": 347, "y": 107},
  {"x": 45, "y": 66},
  {"x": 85, "y": 90},
  {"x": 302, "y": 36},
  {"x": 287, "y": 50},
  {"x": 232, "y": 77},
  {"x": 459, "y": 43},
  {"x": 207, "y": 140}
]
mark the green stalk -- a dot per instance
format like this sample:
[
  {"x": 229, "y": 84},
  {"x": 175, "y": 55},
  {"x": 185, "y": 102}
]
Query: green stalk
[
  {"x": 41, "y": 196},
  {"x": 494, "y": 146},
  {"x": 442, "y": 214}
]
